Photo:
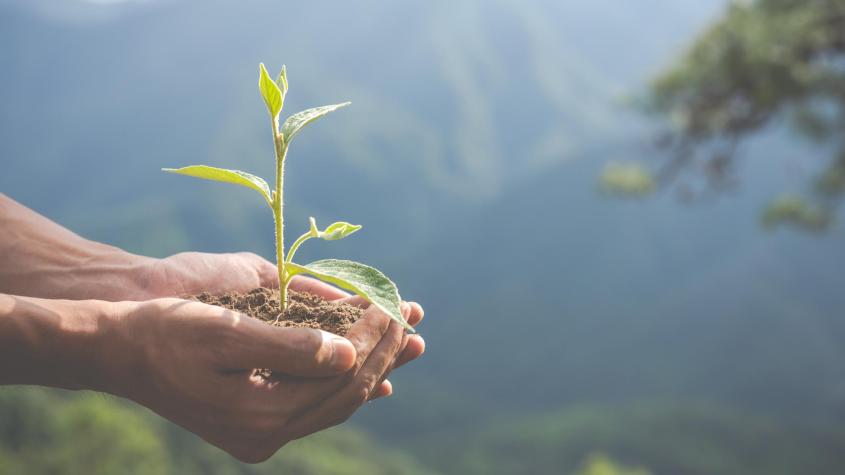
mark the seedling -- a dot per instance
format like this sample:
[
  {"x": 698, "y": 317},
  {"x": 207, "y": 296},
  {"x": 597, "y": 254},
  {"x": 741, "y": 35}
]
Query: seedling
[{"x": 361, "y": 279}]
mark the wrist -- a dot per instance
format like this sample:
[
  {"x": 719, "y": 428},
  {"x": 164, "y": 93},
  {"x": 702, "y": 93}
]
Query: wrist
[
  {"x": 58, "y": 343},
  {"x": 114, "y": 355},
  {"x": 113, "y": 275}
]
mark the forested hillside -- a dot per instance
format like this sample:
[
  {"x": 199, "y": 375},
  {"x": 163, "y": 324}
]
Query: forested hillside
[{"x": 566, "y": 332}]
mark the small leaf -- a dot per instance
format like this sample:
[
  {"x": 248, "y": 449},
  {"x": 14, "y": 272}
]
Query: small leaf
[
  {"x": 282, "y": 82},
  {"x": 339, "y": 230},
  {"x": 364, "y": 280},
  {"x": 227, "y": 176},
  {"x": 294, "y": 123},
  {"x": 270, "y": 92},
  {"x": 334, "y": 231}
]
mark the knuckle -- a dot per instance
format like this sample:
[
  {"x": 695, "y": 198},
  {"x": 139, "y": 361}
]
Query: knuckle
[
  {"x": 308, "y": 342},
  {"x": 360, "y": 394},
  {"x": 396, "y": 333},
  {"x": 379, "y": 319},
  {"x": 219, "y": 333}
]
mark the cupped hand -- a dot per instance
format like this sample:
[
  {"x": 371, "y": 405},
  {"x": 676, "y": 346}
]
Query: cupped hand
[
  {"x": 193, "y": 364},
  {"x": 190, "y": 273}
]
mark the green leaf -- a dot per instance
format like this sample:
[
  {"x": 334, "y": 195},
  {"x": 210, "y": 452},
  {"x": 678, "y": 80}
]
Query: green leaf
[
  {"x": 227, "y": 176},
  {"x": 294, "y": 123},
  {"x": 339, "y": 230},
  {"x": 282, "y": 82},
  {"x": 334, "y": 231},
  {"x": 364, "y": 280},
  {"x": 271, "y": 93}
]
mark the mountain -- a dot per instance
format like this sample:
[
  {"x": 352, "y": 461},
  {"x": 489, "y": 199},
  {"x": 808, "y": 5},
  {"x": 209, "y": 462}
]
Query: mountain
[
  {"x": 470, "y": 154},
  {"x": 692, "y": 439},
  {"x": 61, "y": 432}
]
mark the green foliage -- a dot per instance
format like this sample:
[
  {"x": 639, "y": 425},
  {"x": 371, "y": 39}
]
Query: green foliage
[
  {"x": 796, "y": 211},
  {"x": 296, "y": 122},
  {"x": 236, "y": 177},
  {"x": 627, "y": 179},
  {"x": 45, "y": 432},
  {"x": 271, "y": 92},
  {"x": 334, "y": 231},
  {"x": 82, "y": 435},
  {"x": 282, "y": 82},
  {"x": 693, "y": 439},
  {"x": 601, "y": 464},
  {"x": 359, "y": 278},
  {"x": 340, "y": 452},
  {"x": 764, "y": 60},
  {"x": 832, "y": 182},
  {"x": 363, "y": 280}
]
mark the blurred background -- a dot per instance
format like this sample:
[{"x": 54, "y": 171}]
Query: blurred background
[{"x": 620, "y": 217}]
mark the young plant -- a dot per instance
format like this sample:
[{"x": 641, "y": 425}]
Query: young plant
[{"x": 363, "y": 280}]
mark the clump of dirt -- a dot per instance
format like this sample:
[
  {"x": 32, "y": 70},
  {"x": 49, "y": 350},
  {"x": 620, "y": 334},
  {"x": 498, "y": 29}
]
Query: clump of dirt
[{"x": 304, "y": 310}]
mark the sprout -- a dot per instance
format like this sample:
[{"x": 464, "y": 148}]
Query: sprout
[{"x": 363, "y": 280}]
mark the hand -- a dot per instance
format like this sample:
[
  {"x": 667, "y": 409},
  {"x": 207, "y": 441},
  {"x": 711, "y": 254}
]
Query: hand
[
  {"x": 192, "y": 363},
  {"x": 190, "y": 273}
]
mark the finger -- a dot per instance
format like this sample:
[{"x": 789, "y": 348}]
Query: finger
[
  {"x": 345, "y": 402},
  {"x": 301, "y": 283},
  {"x": 413, "y": 350},
  {"x": 413, "y": 311},
  {"x": 406, "y": 313},
  {"x": 355, "y": 301},
  {"x": 268, "y": 275},
  {"x": 416, "y": 315},
  {"x": 293, "y": 351},
  {"x": 384, "y": 389},
  {"x": 366, "y": 333},
  {"x": 386, "y": 374}
]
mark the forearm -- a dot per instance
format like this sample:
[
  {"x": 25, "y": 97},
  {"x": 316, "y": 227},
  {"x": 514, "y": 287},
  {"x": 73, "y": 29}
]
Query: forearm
[
  {"x": 58, "y": 343},
  {"x": 40, "y": 258}
]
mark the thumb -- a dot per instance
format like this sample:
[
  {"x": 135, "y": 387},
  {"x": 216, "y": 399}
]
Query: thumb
[{"x": 294, "y": 351}]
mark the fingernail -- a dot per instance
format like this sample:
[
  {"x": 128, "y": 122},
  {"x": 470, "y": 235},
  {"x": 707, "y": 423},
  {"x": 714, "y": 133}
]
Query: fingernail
[{"x": 343, "y": 353}]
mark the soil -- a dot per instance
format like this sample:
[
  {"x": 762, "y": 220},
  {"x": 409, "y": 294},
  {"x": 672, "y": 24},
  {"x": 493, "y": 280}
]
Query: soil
[{"x": 304, "y": 309}]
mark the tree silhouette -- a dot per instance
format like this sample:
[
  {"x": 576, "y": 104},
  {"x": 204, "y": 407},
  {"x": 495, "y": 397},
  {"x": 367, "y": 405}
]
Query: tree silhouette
[{"x": 763, "y": 62}]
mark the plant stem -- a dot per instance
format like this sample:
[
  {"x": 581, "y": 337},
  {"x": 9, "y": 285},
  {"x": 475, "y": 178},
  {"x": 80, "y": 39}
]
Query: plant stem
[
  {"x": 296, "y": 245},
  {"x": 278, "y": 215}
]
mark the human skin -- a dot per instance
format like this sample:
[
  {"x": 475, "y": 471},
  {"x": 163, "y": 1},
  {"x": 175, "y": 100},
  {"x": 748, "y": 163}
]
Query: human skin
[{"x": 85, "y": 315}]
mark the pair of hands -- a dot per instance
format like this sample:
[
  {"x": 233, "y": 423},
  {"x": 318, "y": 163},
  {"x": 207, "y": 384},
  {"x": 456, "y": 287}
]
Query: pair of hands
[
  {"x": 121, "y": 331},
  {"x": 193, "y": 362}
]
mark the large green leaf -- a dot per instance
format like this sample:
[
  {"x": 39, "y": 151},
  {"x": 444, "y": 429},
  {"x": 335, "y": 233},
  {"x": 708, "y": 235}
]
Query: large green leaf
[
  {"x": 296, "y": 122},
  {"x": 270, "y": 91},
  {"x": 359, "y": 278},
  {"x": 227, "y": 176}
]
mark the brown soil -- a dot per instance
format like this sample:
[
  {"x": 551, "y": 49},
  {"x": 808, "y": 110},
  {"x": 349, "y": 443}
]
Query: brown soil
[{"x": 304, "y": 309}]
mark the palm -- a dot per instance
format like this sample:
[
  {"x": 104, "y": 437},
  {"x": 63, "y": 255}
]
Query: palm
[{"x": 190, "y": 273}]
